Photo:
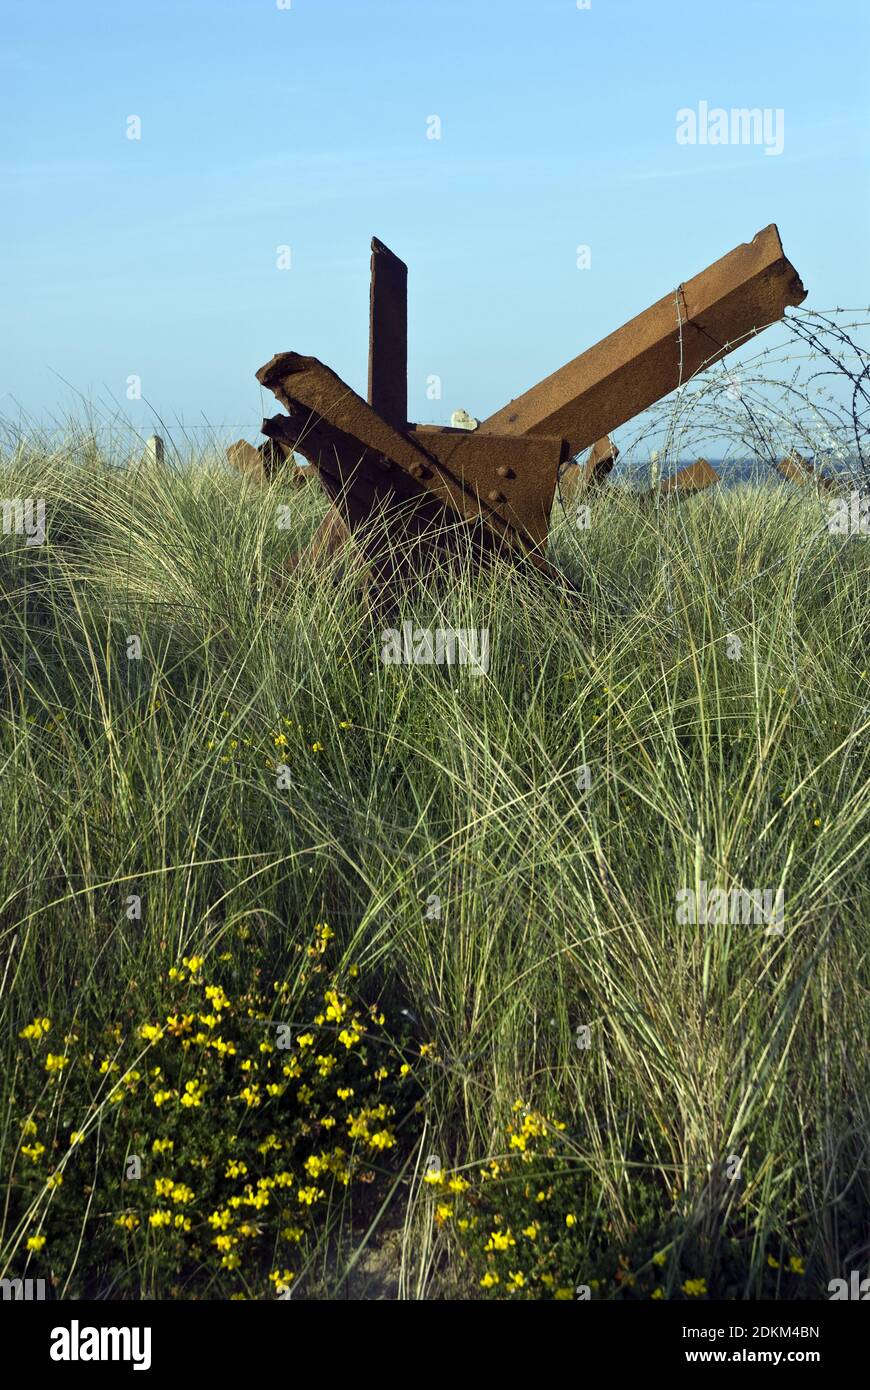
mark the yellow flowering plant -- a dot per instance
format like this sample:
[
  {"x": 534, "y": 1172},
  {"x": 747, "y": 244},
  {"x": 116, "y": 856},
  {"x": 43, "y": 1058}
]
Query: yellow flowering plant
[
  {"x": 209, "y": 1141},
  {"x": 525, "y": 1225}
]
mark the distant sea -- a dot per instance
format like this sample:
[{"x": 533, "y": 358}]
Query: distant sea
[{"x": 732, "y": 472}]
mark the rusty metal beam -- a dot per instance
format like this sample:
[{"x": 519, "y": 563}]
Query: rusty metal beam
[
  {"x": 695, "y": 477},
  {"x": 796, "y": 469},
  {"x": 460, "y": 469},
  {"x": 261, "y": 463},
  {"x": 578, "y": 478},
  {"x": 367, "y": 466},
  {"x": 599, "y": 462},
  {"x": 698, "y": 323},
  {"x": 511, "y": 478},
  {"x": 388, "y": 336}
]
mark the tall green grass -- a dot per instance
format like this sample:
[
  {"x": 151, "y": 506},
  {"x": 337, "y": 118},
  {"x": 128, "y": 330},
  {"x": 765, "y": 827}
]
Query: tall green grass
[{"x": 556, "y": 907}]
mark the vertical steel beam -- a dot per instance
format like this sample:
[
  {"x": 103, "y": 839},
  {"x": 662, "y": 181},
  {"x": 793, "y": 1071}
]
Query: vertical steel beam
[{"x": 388, "y": 337}]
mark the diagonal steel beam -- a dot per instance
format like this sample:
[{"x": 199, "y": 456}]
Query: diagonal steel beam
[
  {"x": 698, "y": 323},
  {"x": 365, "y": 464}
]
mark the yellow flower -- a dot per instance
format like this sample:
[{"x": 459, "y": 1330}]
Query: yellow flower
[
  {"x": 151, "y": 1032},
  {"x": 531, "y": 1232},
  {"x": 774, "y": 1264},
  {"x": 657, "y": 1293},
  {"x": 193, "y": 1093},
  {"x": 282, "y": 1279},
  {"x": 489, "y": 1280},
  {"x": 216, "y": 996},
  {"x": 308, "y": 1195},
  {"x": 796, "y": 1265},
  {"x": 563, "y": 1294},
  {"x": 500, "y": 1240},
  {"x": 443, "y": 1212},
  {"x": 570, "y": 1219},
  {"x": 36, "y": 1030},
  {"x": 660, "y": 1257},
  {"x": 55, "y": 1062},
  {"x": 695, "y": 1288},
  {"x": 35, "y": 1243},
  {"x": 76, "y": 1137},
  {"x": 317, "y": 747},
  {"x": 128, "y": 1222},
  {"x": 33, "y": 1151},
  {"x": 160, "y": 1218},
  {"x": 162, "y": 1146},
  {"x": 516, "y": 1280},
  {"x": 56, "y": 1180}
]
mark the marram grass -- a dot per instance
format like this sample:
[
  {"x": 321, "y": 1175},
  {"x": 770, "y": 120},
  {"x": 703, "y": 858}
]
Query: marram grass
[{"x": 550, "y": 1080}]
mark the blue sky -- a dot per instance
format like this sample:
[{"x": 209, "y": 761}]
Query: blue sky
[{"x": 307, "y": 127}]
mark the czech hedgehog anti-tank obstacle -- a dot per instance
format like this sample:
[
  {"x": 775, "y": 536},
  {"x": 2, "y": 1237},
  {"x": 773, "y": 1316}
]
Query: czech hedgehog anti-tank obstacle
[{"x": 498, "y": 480}]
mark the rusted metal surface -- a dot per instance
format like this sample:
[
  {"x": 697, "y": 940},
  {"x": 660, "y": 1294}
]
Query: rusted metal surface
[
  {"x": 496, "y": 482},
  {"x": 599, "y": 461},
  {"x": 514, "y": 479},
  {"x": 796, "y": 469},
  {"x": 388, "y": 336},
  {"x": 581, "y": 476},
  {"x": 695, "y": 477},
  {"x": 694, "y": 325},
  {"x": 247, "y": 460},
  {"x": 261, "y": 464},
  {"x": 366, "y": 466}
]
